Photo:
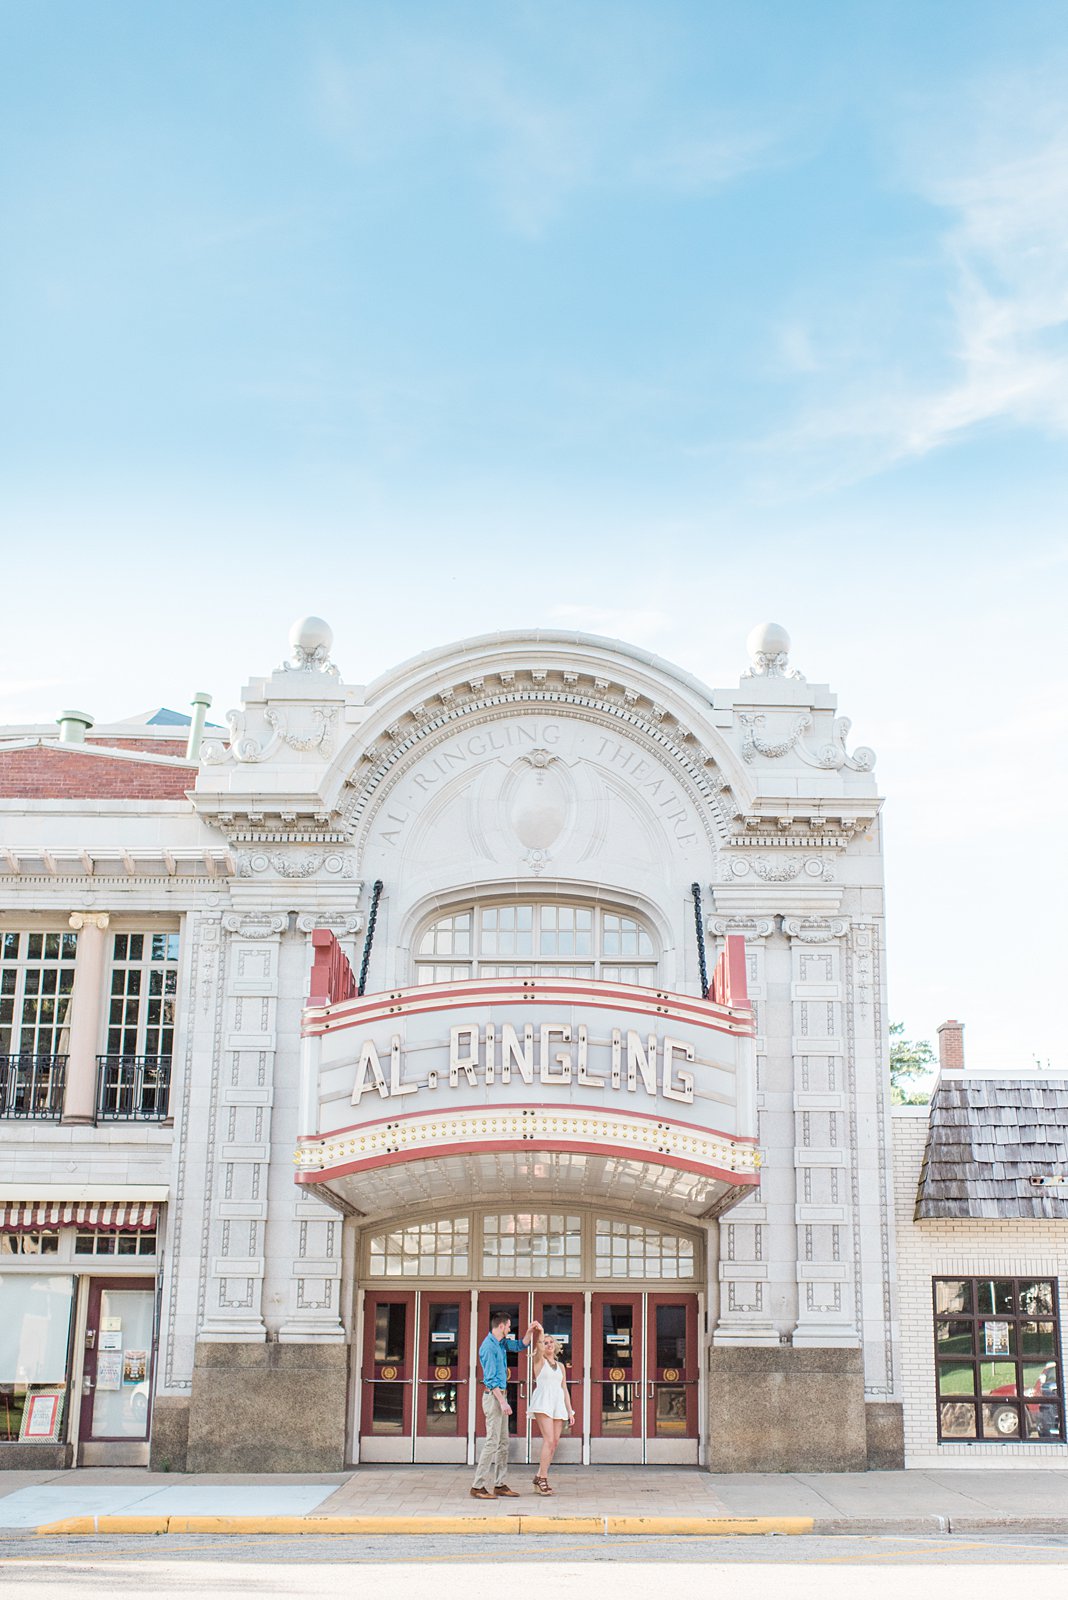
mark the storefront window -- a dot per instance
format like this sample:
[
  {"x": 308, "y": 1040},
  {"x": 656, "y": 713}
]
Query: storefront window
[
  {"x": 998, "y": 1375},
  {"x": 35, "y": 1321}
]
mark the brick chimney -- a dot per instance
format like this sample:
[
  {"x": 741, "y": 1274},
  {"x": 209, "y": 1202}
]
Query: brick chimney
[{"x": 951, "y": 1047}]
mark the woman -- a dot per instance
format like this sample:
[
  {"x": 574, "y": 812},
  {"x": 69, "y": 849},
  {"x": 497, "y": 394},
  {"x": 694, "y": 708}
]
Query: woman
[{"x": 550, "y": 1404}]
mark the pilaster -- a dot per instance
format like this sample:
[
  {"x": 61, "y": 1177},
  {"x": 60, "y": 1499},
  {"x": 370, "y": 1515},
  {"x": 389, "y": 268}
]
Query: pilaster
[
  {"x": 824, "y": 1148},
  {"x": 244, "y": 1099},
  {"x": 746, "y": 1312}
]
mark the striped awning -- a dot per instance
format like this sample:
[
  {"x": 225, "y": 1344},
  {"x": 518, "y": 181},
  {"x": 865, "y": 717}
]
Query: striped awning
[{"x": 31, "y": 1216}]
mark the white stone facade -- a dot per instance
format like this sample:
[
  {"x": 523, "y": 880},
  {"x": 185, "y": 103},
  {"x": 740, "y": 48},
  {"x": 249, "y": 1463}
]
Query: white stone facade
[{"x": 516, "y": 768}]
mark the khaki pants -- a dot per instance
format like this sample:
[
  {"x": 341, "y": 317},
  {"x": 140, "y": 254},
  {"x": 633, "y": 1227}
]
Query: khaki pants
[{"x": 493, "y": 1458}]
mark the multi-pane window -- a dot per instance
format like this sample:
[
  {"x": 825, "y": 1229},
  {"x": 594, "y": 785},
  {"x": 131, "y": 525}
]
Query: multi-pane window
[
  {"x": 144, "y": 982},
  {"x": 532, "y": 1245},
  {"x": 997, "y": 1357},
  {"x": 36, "y": 984},
  {"x": 126, "y": 1242},
  {"x": 630, "y": 1250},
  {"x": 435, "y": 1249},
  {"x": 550, "y": 939}
]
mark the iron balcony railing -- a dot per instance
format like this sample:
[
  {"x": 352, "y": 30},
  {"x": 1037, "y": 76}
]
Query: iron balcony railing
[
  {"x": 32, "y": 1086},
  {"x": 132, "y": 1088}
]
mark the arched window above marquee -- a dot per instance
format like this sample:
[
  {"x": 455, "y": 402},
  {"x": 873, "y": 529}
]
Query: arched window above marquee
[{"x": 553, "y": 938}]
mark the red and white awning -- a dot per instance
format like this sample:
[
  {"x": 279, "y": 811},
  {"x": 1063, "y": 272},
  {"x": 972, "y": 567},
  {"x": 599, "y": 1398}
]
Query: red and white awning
[{"x": 31, "y": 1216}]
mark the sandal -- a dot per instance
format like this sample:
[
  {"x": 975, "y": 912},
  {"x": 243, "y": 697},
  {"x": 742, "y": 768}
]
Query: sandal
[{"x": 542, "y": 1485}]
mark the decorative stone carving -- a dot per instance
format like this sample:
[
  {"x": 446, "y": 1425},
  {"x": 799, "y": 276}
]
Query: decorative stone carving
[
  {"x": 294, "y": 864},
  {"x": 778, "y": 869},
  {"x": 340, "y": 923},
  {"x": 89, "y": 919},
  {"x": 753, "y": 745},
  {"x": 769, "y": 651},
  {"x": 751, "y": 927},
  {"x": 815, "y": 930},
  {"x": 255, "y": 924}
]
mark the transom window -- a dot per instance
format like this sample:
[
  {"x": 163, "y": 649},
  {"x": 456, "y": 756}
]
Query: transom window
[
  {"x": 36, "y": 983},
  {"x": 630, "y": 1250},
  {"x": 997, "y": 1348},
  {"x": 535, "y": 1244},
  {"x": 540, "y": 1245},
  {"x": 550, "y": 938},
  {"x": 434, "y": 1249},
  {"x": 144, "y": 983}
]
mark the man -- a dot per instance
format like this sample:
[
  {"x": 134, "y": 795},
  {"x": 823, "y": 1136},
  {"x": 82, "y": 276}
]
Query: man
[{"x": 493, "y": 1461}]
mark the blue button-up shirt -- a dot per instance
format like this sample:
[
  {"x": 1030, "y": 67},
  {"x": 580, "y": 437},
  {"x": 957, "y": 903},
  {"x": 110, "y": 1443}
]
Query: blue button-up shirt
[{"x": 494, "y": 1362}]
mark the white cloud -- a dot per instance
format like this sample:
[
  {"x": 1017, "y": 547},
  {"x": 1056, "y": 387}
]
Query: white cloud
[{"x": 1000, "y": 176}]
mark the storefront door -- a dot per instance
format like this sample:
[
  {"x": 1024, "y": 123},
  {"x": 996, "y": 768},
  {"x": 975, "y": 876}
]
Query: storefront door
[
  {"x": 117, "y": 1373},
  {"x": 616, "y": 1373},
  {"x": 671, "y": 1422},
  {"x": 388, "y": 1377},
  {"x": 443, "y": 1379},
  {"x": 562, "y": 1315}
]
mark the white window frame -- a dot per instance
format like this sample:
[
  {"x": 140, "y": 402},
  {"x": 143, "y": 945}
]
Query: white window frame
[{"x": 443, "y": 962}]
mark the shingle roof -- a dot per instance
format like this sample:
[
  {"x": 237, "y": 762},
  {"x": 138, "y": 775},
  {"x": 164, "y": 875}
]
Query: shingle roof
[{"x": 986, "y": 1138}]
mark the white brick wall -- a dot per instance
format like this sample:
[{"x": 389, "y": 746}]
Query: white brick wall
[{"x": 929, "y": 1250}]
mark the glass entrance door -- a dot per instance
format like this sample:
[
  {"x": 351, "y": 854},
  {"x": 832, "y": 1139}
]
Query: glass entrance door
[
  {"x": 671, "y": 1422},
  {"x": 516, "y": 1306},
  {"x": 443, "y": 1381},
  {"x": 388, "y": 1372},
  {"x": 562, "y": 1315},
  {"x": 616, "y": 1378},
  {"x": 117, "y": 1375}
]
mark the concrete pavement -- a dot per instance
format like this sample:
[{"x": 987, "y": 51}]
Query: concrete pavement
[{"x": 604, "y": 1500}]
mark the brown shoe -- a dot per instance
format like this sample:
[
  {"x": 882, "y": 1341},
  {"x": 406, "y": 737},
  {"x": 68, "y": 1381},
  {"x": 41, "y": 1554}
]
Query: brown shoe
[
  {"x": 504, "y": 1493},
  {"x": 482, "y": 1494}
]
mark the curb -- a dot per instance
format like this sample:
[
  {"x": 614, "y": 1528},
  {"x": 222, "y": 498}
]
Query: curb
[
  {"x": 692, "y": 1527},
  {"x": 709, "y": 1527}
]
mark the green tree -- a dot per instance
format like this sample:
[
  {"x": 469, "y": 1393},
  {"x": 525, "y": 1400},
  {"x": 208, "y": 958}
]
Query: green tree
[{"x": 911, "y": 1060}]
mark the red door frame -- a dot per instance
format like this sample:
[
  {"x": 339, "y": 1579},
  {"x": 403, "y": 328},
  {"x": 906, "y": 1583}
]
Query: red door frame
[
  {"x": 92, "y": 1349},
  {"x": 518, "y": 1364},
  {"x": 430, "y": 1372},
  {"x": 687, "y": 1374},
  {"x": 387, "y": 1371},
  {"x": 601, "y": 1370},
  {"x": 575, "y": 1356}
]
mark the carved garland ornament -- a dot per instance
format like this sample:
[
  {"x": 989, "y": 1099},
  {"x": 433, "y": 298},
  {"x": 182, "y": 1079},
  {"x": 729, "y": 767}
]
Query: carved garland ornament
[{"x": 829, "y": 757}]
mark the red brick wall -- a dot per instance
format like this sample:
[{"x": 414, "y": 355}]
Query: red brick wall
[
  {"x": 155, "y": 747},
  {"x": 47, "y": 773}
]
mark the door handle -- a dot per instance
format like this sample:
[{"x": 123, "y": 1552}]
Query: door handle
[{"x": 87, "y": 1384}]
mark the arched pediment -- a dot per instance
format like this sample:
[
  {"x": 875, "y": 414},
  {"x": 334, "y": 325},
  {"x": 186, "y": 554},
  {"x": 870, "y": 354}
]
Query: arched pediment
[{"x": 504, "y": 699}]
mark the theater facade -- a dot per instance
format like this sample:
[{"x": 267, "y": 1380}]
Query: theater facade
[{"x": 533, "y": 975}]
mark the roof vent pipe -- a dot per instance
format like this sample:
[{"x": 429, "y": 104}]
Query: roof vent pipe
[
  {"x": 200, "y": 704},
  {"x": 951, "y": 1046},
  {"x": 73, "y": 726}
]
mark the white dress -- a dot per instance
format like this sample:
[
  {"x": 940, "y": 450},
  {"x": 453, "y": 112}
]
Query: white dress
[{"x": 548, "y": 1397}]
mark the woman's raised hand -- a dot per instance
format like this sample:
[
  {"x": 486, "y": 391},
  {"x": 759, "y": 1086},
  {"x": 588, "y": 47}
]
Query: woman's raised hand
[{"x": 535, "y": 1328}]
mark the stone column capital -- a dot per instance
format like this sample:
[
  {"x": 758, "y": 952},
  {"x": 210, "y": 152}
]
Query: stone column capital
[{"x": 89, "y": 919}]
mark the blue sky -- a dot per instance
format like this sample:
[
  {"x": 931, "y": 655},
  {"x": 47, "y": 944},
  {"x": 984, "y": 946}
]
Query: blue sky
[{"x": 651, "y": 319}]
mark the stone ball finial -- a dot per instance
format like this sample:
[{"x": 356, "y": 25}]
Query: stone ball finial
[
  {"x": 767, "y": 639},
  {"x": 311, "y": 637}
]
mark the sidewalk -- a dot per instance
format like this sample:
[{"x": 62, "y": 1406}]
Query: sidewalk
[{"x": 597, "y": 1500}]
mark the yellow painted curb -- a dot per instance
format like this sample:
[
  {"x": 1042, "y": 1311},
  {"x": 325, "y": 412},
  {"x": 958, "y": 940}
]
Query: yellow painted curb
[
  {"x": 563, "y": 1524},
  {"x": 708, "y": 1526},
  {"x": 711, "y": 1527}
]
